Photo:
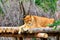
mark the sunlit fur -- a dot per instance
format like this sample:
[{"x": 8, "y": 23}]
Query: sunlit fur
[{"x": 36, "y": 21}]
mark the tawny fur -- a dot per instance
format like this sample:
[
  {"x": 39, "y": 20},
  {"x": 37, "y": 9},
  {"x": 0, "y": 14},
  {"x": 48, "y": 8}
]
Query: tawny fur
[{"x": 32, "y": 21}]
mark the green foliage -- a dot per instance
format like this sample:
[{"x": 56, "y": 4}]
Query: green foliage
[
  {"x": 47, "y": 5},
  {"x": 4, "y": 1},
  {"x": 56, "y": 23},
  {"x": 33, "y": 38},
  {"x": 1, "y": 11}
]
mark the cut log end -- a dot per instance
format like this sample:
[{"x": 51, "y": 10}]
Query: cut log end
[{"x": 43, "y": 35}]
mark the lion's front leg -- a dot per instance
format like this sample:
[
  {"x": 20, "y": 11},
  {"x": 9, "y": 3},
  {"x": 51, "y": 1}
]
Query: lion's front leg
[{"x": 21, "y": 28}]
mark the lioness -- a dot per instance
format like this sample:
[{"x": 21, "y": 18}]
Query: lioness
[{"x": 33, "y": 21}]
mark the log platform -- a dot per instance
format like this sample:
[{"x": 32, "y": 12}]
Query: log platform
[{"x": 35, "y": 31}]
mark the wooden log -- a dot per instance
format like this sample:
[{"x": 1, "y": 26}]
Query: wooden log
[
  {"x": 8, "y": 29},
  {"x": 43, "y": 30},
  {"x": 43, "y": 35},
  {"x": 34, "y": 30}
]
